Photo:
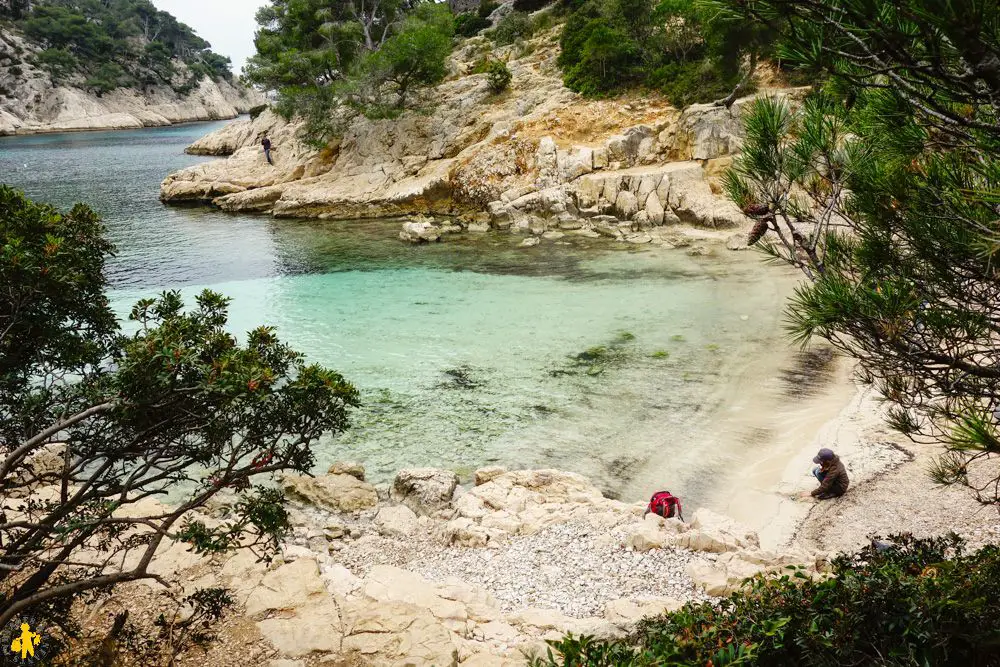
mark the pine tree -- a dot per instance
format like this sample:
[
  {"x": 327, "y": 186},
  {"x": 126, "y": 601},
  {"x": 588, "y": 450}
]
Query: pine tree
[{"x": 884, "y": 188}]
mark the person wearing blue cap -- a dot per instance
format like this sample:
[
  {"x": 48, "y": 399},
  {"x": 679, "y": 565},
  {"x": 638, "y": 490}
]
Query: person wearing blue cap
[{"x": 832, "y": 475}]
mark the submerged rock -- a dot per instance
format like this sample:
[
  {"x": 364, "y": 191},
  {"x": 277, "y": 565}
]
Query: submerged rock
[{"x": 420, "y": 232}]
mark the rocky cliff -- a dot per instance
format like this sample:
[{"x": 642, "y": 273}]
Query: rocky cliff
[
  {"x": 536, "y": 159},
  {"x": 31, "y": 103}
]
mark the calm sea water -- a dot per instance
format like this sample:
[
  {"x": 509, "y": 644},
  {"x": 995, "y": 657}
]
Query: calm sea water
[{"x": 468, "y": 352}]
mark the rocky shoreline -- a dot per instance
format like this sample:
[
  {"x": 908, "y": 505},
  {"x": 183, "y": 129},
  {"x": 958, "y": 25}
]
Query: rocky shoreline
[
  {"x": 428, "y": 573},
  {"x": 538, "y": 160}
]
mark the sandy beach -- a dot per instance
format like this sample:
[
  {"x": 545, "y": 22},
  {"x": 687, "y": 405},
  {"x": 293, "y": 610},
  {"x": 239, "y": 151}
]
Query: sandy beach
[{"x": 890, "y": 493}]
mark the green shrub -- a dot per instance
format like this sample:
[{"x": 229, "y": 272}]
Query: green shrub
[
  {"x": 486, "y": 8},
  {"x": 15, "y": 70},
  {"x": 59, "y": 63},
  {"x": 678, "y": 46},
  {"x": 903, "y": 602},
  {"x": 498, "y": 76},
  {"x": 470, "y": 25},
  {"x": 542, "y": 21},
  {"x": 107, "y": 77},
  {"x": 597, "y": 58},
  {"x": 513, "y": 27},
  {"x": 685, "y": 83}
]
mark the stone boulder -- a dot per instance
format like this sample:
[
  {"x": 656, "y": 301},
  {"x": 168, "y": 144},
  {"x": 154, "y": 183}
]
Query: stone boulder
[
  {"x": 292, "y": 585},
  {"x": 465, "y": 532},
  {"x": 425, "y": 490},
  {"x": 714, "y": 533},
  {"x": 41, "y": 467},
  {"x": 727, "y": 573},
  {"x": 311, "y": 630},
  {"x": 450, "y": 602},
  {"x": 654, "y": 532},
  {"x": 420, "y": 232},
  {"x": 396, "y": 521},
  {"x": 488, "y": 474},
  {"x": 352, "y": 468},
  {"x": 626, "y": 611},
  {"x": 340, "y": 493}
]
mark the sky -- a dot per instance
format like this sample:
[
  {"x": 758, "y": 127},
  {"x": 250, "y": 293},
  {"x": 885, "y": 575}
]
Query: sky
[{"x": 227, "y": 24}]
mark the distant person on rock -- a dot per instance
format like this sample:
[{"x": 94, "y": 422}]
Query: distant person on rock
[
  {"x": 266, "y": 143},
  {"x": 832, "y": 475}
]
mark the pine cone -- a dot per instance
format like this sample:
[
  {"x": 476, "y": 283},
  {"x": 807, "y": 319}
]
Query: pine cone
[
  {"x": 755, "y": 209},
  {"x": 757, "y": 233}
]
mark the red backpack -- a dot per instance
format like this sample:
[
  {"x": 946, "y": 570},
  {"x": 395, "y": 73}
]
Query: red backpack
[{"x": 666, "y": 505}]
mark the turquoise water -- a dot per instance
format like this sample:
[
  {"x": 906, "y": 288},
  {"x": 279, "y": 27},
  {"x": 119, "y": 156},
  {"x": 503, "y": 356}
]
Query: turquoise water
[{"x": 469, "y": 351}]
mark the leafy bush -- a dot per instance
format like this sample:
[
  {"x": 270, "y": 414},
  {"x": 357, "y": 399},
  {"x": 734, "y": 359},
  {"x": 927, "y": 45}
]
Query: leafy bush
[
  {"x": 597, "y": 57},
  {"x": 688, "y": 50},
  {"x": 498, "y": 76},
  {"x": 59, "y": 63},
  {"x": 15, "y": 70},
  {"x": 414, "y": 57},
  {"x": 904, "y": 602},
  {"x": 107, "y": 77},
  {"x": 513, "y": 27},
  {"x": 688, "y": 82},
  {"x": 487, "y": 7},
  {"x": 175, "y": 403},
  {"x": 470, "y": 25}
]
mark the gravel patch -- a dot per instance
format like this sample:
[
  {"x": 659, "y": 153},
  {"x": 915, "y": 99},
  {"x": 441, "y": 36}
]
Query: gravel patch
[
  {"x": 572, "y": 567},
  {"x": 566, "y": 567}
]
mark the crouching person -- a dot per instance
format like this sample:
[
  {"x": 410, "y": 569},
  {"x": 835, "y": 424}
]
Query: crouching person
[
  {"x": 832, "y": 475},
  {"x": 665, "y": 504}
]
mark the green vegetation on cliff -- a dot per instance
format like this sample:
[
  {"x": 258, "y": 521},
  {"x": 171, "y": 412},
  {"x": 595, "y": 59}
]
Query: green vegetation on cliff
[
  {"x": 107, "y": 44},
  {"x": 691, "y": 51},
  {"x": 319, "y": 55}
]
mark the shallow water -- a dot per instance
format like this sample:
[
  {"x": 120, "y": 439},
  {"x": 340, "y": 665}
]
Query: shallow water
[{"x": 469, "y": 351}]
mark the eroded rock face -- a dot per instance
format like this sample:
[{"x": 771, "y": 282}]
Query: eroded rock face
[
  {"x": 425, "y": 490},
  {"x": 474, "y": 153},
  {"x": 340, "y": 493},
  {"x": 34, "y": 105}
]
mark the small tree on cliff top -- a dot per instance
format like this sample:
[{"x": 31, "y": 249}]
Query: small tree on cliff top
[
  {"x": 93, "y": 421},
  {"x": 884, "y": 188}
]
